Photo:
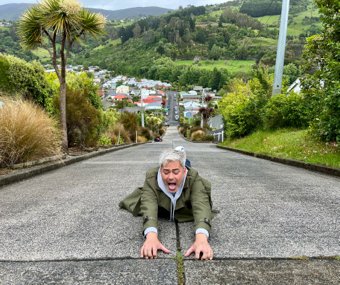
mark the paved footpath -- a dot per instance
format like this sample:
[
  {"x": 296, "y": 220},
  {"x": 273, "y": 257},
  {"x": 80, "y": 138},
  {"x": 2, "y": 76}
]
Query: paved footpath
[{"x": 277, "y": 224}]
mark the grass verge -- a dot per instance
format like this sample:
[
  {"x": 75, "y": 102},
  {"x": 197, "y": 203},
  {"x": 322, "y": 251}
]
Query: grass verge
[{"x": 289, "y": 144}]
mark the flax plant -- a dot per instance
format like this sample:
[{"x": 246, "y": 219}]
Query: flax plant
[{"x": 56, "y": 25}]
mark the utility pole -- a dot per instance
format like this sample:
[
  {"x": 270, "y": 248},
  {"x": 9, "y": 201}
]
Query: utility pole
[{"x": 281, "y": 46}]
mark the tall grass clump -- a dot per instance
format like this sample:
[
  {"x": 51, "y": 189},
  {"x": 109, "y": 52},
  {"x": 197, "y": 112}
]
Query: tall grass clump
[{"x": 26, "y": 133}]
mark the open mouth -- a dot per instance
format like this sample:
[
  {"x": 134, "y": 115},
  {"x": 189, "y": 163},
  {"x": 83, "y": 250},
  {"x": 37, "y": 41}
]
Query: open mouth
[{"x": 172, "y": 187}]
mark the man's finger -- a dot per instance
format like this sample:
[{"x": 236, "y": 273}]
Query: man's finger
[
  {"x": 198, "y": 254},
  {"x": 154, "y": 252},
  {"x": 205, "y": 255},
  {"x": 164, "y": 249},
  {"x": 142, "y": 252},
  {"x": 189, "y": 251},
  {"x": 211, "y": 255}
]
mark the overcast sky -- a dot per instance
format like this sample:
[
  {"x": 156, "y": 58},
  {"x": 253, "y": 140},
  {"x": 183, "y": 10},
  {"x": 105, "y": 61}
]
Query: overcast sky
[{"x": 118, "y": 4}]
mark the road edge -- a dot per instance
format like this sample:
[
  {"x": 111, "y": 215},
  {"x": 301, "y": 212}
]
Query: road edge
[
  {"x": 313, "y": 167},
  {"x": 24, "y": 173}
]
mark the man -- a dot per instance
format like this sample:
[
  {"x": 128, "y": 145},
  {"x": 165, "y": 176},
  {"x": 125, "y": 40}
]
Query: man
[{"x": 175, "y": 192}]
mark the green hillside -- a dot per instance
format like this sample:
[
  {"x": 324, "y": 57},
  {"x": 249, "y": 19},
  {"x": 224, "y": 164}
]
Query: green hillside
[
  {"x": 213, "y": 34},
  {"x": 198, "y": 38}
]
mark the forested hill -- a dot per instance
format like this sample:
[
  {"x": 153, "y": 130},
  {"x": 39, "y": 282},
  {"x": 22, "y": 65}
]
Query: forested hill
[
  {"x": 214, "y": 32},
  {"x": 12, "y": 12},
  {"x": 158, "y": 47}
]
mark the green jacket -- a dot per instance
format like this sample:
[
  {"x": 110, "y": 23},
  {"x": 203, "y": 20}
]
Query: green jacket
[{"x": 194, "y": 204}]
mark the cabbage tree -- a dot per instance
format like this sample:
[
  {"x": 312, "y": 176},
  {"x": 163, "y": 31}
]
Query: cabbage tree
[{"x": 56, "y": 25}]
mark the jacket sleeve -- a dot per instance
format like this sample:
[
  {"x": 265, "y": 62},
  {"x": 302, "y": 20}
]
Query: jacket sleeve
[
  {"x": 149, "y": 205},
  {"x": 201, "y": 203}
]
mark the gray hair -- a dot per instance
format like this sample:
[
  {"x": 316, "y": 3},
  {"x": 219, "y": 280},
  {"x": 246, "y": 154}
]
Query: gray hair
[{"x": 170, "y": 155}]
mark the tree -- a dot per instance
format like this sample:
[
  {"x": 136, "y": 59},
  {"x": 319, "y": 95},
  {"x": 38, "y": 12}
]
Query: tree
[
  {"x": 59, "y": 23},
  {"x": 321, "y": 82}
]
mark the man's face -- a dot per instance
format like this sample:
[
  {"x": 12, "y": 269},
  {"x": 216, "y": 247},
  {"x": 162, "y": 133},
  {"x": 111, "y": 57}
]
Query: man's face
[{"x": 172, "y": 175}]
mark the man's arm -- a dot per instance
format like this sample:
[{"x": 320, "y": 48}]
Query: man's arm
[
  {"x": 201, "y": 207},
  {"x": 149, "y": 208}
]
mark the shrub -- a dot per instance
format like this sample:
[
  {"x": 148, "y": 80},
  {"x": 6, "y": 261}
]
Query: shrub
[
  {"x": 26, "y": 133},
  {"x": 108, "y": 119},
  {"x": 240, "y": 114},
  {"x": 104, "y": 140},
  {"x": 129, "y": 121},
  {"x": 120, "y": 133},
  {"x": 144, "y": 132},
  {"x": 83, "y": 120},
  {"x": 141, "y": 139},
  {"x": 285, "y": 111},
  {"x": 209, "y": 138},
  {"x": 25, "y": 79},
  {"x": 198, "y": 135}
]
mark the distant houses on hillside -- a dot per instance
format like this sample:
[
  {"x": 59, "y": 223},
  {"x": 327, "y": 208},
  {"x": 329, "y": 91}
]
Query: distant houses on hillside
[{"x": 5, "y": 24}]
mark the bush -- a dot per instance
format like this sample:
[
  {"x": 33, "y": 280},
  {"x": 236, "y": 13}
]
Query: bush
[
  {"x": 240, "y": 114},
  {"x": 26, "y": 133},
  {"x": 209, "y": 138},
  {"x": 119, "y": 134},
  {"x": 104, "y": 140},
  {"x": 198, "y": 135},
  {"x": 284, "y": 111},
  {"x": 141, "y": 139},
  {"x": 108, "y": 119},
  {"x": 144, "y": 132},
  {"x": 25, "y": 79},
  {"x": 129, "y": 121},
  {"x": 83, "y": 120}
]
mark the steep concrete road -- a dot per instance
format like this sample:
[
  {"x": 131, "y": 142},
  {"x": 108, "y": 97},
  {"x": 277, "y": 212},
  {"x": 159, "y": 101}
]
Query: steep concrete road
[{"x": 64, "y": 227}]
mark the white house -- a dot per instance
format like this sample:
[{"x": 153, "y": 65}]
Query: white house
[
  {"x": 123, "y": 89},
  {"x": 191, "y": 108}
]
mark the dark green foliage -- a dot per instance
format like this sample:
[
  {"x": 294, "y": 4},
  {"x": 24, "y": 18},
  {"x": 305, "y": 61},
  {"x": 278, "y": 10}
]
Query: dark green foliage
[
  {"x": 259, "y": 8},
  {"x": 83, "y": 120},
  {"x": 9, "y": 43},
  {"x": 322, "y": 67},
  {"x": 241, "y": 20},
  {"x": 18, "y": 77},
  {"x": 284, "y": 111},
  {"x": 130, "y": 123}
]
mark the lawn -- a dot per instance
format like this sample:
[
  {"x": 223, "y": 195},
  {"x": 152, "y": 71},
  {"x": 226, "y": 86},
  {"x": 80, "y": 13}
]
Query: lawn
[
  {"x": 233, "y": 66},
  {"x": 295, "y": 24},
  {"x": 290, "y": 144},
  {"x": 43, "y": 54}
]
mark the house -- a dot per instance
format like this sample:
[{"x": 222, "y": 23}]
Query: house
[
  {"x": 295, "y": 87},
  {"x": 216, "y": 123},
  {"x": 123, "y": 89},
  {"x": 152, "y": 102},
  {"x": 191, "y": 108},
  {"x": 121, "y": 97}
]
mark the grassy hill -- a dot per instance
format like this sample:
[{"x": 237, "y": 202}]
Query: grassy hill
[{"x": 215, "y": 34}]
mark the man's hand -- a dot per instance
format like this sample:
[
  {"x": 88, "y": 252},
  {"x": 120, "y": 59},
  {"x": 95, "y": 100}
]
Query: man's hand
[
  {"x": 151, "y": 246},
  {"x": 201, "y": 248}
]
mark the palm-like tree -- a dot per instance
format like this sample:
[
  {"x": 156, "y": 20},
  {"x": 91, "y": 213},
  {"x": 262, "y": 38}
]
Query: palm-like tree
[{"x": 56, "y": 25}]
